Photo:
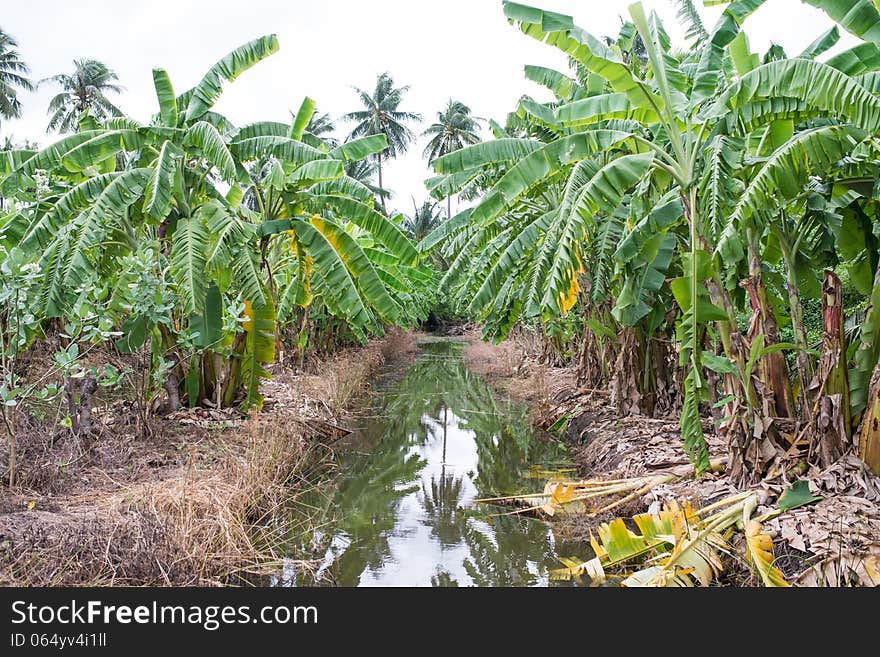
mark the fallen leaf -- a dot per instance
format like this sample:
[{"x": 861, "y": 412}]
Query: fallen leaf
[
  {"x": 798, "y": 494},
  {"x": 760, "y": 553}
]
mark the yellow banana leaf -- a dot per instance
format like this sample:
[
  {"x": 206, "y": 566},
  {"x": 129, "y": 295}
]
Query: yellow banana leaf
[{"x": 760, "y": 554}]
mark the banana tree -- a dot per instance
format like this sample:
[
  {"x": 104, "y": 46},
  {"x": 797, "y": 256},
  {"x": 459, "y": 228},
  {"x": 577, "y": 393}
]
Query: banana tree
[
  {"x": 662, "y": 132},
  {"x": 621, "y": 153},
  {"x": 833, "y": 142},
  {"x": 175, "y": 187}
]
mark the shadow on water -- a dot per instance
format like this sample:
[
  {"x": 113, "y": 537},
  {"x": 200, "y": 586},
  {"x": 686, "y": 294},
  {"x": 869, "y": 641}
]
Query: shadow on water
[{"x": 401, "y": 512}]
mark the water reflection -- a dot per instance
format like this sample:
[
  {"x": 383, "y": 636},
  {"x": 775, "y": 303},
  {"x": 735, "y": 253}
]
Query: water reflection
[{"x": 403, "y": 512}]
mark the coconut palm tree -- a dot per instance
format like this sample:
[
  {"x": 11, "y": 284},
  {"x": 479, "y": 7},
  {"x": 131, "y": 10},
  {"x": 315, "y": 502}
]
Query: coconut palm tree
[
  {"x": 84, "y": 90},
  {"x": 12, "y": 75},
  {"x": 455, "y": 128},
  {"x": 321, "y": 125},
  {"x": 363, "y": 171},
  {"x": 424, "y": 219},
  {"x": 382, "y": 116}
]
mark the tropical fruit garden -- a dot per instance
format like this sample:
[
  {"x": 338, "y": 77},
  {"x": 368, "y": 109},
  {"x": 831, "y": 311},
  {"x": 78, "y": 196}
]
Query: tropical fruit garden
[{"x": 682, "y": 241}]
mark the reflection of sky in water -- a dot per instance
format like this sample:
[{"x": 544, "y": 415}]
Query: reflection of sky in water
[
  {"x": 416, "y": 553},
  {"x": 431, "y": 532}
]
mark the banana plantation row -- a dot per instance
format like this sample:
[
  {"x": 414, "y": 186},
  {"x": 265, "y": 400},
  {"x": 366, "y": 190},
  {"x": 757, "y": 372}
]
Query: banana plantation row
[
  {"x": 195, "y": 245},
  {"x": 701, "y": 223},
  {"x": 693, "y": 229}
]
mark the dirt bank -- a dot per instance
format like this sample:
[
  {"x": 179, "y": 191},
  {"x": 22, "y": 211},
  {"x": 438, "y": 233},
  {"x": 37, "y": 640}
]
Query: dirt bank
[
  {"x": 192, "y": 504},
  {"x": 835, "y": 541}
]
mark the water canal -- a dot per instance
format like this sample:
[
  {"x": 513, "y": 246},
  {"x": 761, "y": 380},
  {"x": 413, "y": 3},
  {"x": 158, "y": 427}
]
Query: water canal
[{"x": 433, "y": 438}]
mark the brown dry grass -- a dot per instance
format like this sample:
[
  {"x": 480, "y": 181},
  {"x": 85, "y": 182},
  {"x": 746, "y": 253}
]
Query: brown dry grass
[
  {"x": 199, "y": 504},
  {"x": 196, "y": 525},
  {"x": 510, "y": 369},
  {"x": 492, "y": 361},
  {"x": 328, "y": 386}
]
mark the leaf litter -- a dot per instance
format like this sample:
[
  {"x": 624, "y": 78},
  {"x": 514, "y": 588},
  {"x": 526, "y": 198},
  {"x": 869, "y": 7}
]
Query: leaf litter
[{"x": 829, "y": 535}]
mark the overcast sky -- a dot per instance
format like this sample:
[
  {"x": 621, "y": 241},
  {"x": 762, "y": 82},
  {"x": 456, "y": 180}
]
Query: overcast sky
[{"x": 462, "y": 49}]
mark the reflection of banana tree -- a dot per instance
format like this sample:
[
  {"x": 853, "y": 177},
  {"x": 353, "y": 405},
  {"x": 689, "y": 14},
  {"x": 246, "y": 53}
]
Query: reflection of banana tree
[
  {"x": 514, "y": 554},
  {"x": 361, "y": 508},
  {"x": 443, "y": 579},
  {"x": 437, "y": 393},
  {"x": 504, "y": 438},
  {"x": 367, "y": 501}
]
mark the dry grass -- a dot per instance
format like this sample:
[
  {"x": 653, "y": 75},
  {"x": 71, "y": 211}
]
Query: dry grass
[
  {"x": 195, "y": 526},
  {"x": 336, "y": 381},
  {"x": 84, "y": 545},
  {"x": 225, "y": 521},
  {"x": 198, "y": 505},
  {"x": 492, "y": 361},
  {"x": 398, "y": 344},
  {"x": 510, "y": 368}
]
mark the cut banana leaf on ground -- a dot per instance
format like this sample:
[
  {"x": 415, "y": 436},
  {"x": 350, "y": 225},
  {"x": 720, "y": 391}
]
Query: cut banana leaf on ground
[
  {"x": 798, "y": 494},
  {"x": 583, "y": 496},
  {"x": 677, "y": 546},
  {"x": 539, "y": 472},
  {"x": 760, "y": 555}
]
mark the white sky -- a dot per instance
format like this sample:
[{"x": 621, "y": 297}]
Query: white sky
[{"x": 459, "y": 48}]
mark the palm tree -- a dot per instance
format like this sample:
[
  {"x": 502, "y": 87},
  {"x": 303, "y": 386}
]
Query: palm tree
[
  {"x": 382, "y": 116},
  {"x": 424, "y": 219},
  {"x": 322, "y": 127},
  {"x": 83, "y": 91},
  {"x": 455, "y": 128},
  {"x": 363, "y": 171},
  {"x": 12, "y": 75},
  {"x": 321, "y": 124}
]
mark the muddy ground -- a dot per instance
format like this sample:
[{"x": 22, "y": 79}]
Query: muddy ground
[{"x": 833, "y": 542}]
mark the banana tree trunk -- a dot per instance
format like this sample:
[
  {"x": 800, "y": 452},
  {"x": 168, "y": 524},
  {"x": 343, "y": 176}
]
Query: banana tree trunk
[
  {"x": 869, "y": 439},
  {"x": 662, "y": 367},
  {"x": 590, "y": 368},
  {"x": 627, "y": 395},
  {"x": 748, "y": 449},
  {"x": 644, "y": 374},
  {"x": 746, "y": 453},
  {"x": 753, "y": 440},
  {"x": 866, "y": 356},
  {"x": 177, "y": 373},
  {"x": 829, "y": 390},
  {"x": 772, "y": 370},
  {"x": 233, "y": 381},
  {"x": 802, "y": 358},
  {"x": 208, "y": 376},
  {"x": 796, "y": 309},
  {"x": 596, "y": 353},
  {"x": 302, "y": 337}
]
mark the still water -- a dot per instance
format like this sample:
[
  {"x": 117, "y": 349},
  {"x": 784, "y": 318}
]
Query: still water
[{"x": 401, "y": 511}]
